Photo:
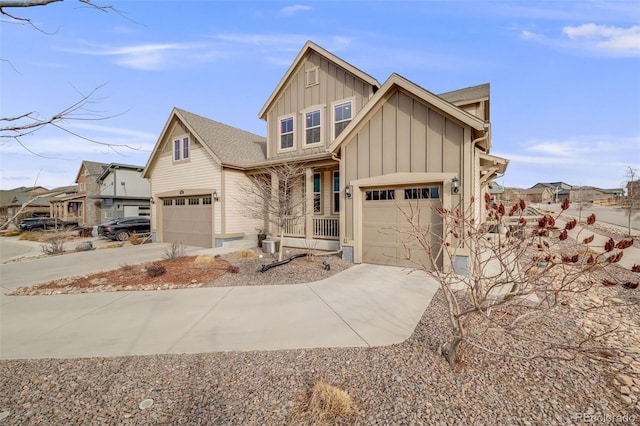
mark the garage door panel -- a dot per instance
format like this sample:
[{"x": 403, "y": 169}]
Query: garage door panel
[
  {"x": 386, "y": 233},
  {"x": 188, "y": 224}
]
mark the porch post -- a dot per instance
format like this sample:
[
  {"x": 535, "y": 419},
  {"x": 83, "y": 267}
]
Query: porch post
[
  {"x": 275, "y": 200},
  {"x": 308, "y": 204}
]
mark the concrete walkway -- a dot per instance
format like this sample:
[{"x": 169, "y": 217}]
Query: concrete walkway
[{"x": 366, "y": 305}]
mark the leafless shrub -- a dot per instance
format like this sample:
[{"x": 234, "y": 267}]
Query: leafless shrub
[
  {"x": 54, "y": 246},
  {"x": 519, "y": 271},
  {"x": 233, "y": 269},
  {"x": 174, "y": 251},
  {"x": 155, "y": 270}
]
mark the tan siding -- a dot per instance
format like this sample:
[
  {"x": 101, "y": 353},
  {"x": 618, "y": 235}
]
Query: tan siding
[
  {"x": 334, "y": 84},
  {"x": 375, "y": 147},
  {"x": 364, "y": 154},
  {"x": 235, "y": 219},
  {"x": 419, "y": 137},
  {"x": 389, "y": 136},
  {"x": 435, "y": 134},
  {"x": 404, "y": 133},
  {"x": 451, "y": 147}
]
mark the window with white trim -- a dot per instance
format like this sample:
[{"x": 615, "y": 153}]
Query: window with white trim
[
  {"x": 336, "y": 192},
  {"x": 181, "y": 149},
  {"x": 312, "y": 120},
  {"x": 317, "y": 193},
  {"x": 342, "y": 115},
  {"x": 286, "y": 133}
]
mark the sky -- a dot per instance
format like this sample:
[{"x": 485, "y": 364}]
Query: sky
[{"x": 564, "y": 75}]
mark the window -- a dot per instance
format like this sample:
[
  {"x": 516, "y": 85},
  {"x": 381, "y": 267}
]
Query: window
[
  {"x": 312, "y": 76},
  {"x": 181, "y": 149},
  {"x": 194, "y": 201},
  {"x": 336, "y": 192},
  {"x": 312, "y": 127},
  {"x": 206, "y": 200},
  {"x": 317, "y": 193},
  {"x": 286, "y": 133},
  {"x": 185, "y": 148},
  {"x": 381, "y": 194},
  {"x": 176, "y": 150},
  {"x": 342, "y": 115},
  {"x": 421, "y": 193},
  {"x": 167, "y": 202},
  {"x": 179, "y": 201}
]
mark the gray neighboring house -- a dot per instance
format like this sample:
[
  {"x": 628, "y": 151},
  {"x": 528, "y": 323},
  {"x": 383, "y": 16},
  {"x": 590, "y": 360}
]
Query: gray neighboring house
[{"x": 123, "y": 192}]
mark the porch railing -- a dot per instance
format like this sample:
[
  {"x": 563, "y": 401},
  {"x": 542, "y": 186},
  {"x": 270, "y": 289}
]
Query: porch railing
[
  {"x": 326, "y": 227},
  {"x": 323, "y": 227}
]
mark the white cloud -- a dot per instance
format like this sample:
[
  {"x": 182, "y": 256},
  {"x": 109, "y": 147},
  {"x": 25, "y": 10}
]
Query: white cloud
[
  {"x": 290, "y": 10},
  {"x": 606, "y": 39},
  {"x": 600, "y": 40},
  {"x": 149, "y": 57}
]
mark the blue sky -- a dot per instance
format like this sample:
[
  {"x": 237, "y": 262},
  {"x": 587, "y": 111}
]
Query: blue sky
[{"x": 565, "y": 75}]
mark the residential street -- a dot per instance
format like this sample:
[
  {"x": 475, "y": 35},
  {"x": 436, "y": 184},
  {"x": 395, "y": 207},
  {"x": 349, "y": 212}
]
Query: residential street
[{"x": 610, "y": 215}]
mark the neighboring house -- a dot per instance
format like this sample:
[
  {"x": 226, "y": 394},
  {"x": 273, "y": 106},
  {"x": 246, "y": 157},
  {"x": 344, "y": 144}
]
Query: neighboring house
[
  {"x": 560, "y": 190},
  {"x": 123, "y": 192},
  {"x": 537, "y": 195},
  {"x": 590, "y": 194},
  {"x": 11, "y": 202},
  {"x": 84, "y": 205},
  {"x": 367, "y": 148}
]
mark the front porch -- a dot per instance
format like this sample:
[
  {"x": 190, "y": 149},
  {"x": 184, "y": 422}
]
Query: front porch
[{"x": 322, "y": 227}]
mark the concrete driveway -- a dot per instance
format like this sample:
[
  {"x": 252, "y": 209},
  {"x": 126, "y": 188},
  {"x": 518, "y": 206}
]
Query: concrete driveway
[{"x": 366, "y": 305}]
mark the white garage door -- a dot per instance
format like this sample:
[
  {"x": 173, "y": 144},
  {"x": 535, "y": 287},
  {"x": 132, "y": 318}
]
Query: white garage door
[
  {"x": 385, "y": 227},
  {"x": 188, "y": 221}
]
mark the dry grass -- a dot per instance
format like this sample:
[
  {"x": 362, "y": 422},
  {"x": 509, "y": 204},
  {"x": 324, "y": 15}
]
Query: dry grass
[
  {"x": 204, "y": 259},
  {"x": 9, "y": 233},
  {"x": 127, "y": 267},
  {"x": 327, "y": 405},
  {"x": 247, "y": 254},
  {"x": 30, "y": 236}
]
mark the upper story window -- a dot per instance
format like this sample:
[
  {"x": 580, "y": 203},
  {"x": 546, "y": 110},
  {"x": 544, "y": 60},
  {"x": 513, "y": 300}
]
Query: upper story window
[
  {"x": 312, "y": 127},
  {"x": 286, "y": 133},
  {"x": 181, "y": 149},
  {"x": 342, "y": 115}
]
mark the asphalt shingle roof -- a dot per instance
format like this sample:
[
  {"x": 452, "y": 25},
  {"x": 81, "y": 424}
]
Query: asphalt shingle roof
[
  {"x": 466, "y": 94},
  {"x": 232, "y": 146}
]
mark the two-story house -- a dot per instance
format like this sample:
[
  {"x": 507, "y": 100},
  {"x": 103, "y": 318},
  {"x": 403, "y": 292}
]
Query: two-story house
[
  {"x": 368, "y": 149},
  {"x": 123, "y": 192},
  {"x": 81, "y": 205}
]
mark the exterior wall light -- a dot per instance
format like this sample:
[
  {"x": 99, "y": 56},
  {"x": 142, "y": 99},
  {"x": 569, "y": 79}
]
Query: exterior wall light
[
  {"x": 455, "y": 185},
  {"x": 347, "y": 191},
  {"x": 215, "y": 196},
  {"x": 152, "y": 201}
]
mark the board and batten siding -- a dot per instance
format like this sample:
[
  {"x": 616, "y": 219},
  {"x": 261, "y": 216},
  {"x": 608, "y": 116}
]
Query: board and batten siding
[
  {"x": 200, "y": 171},
  {"x": 235, "y": 219},
  {"x": 335, "y": 84},
  {"x": 405, "y": 135}
]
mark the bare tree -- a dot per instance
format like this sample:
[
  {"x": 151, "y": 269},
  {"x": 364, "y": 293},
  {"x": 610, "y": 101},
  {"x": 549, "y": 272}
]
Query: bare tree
[
  {"x": 15, "y": 126},
  {"x": 276, "y": 194},
  {"x": 530, "y": 272}
]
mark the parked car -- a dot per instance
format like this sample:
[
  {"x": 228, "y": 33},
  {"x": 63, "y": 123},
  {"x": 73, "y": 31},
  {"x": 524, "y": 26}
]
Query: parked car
[
  {"x": 44, "y": 223},
  {"x": 121, "y": 229}
]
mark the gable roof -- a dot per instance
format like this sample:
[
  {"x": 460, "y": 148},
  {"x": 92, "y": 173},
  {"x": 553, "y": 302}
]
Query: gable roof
[
  {"x": 93, "y": 168},
  {"x": 309, "y": 47},
  {"x": 394, "y": 82},
  {"x": 116, "y": 166},
  {"x": 462, "y": 96},
  {"x": 227, "y": 145}
]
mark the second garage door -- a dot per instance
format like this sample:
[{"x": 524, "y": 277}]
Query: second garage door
[
  {"x": 384, "y": 226},
  {"x": 188, "y": 221}
]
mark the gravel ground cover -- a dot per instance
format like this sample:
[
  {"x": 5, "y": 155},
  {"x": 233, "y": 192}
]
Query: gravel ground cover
[{"x": 408, "y": 383}]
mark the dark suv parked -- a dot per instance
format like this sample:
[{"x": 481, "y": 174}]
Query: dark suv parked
[
  {"x": 121, "y": 229},
  {"x": 44, "y": 223}
]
